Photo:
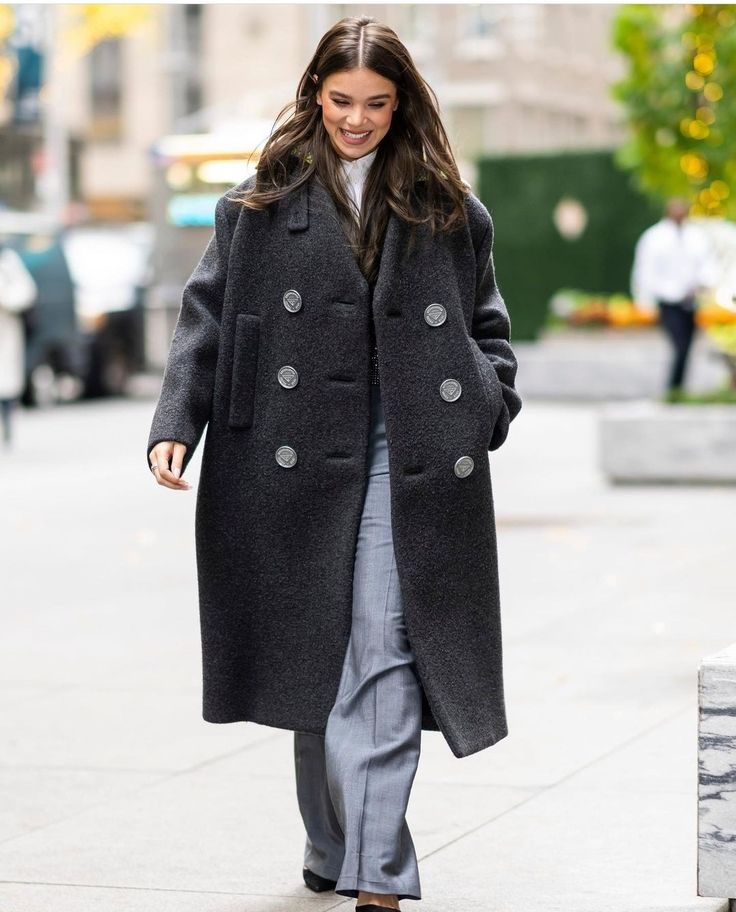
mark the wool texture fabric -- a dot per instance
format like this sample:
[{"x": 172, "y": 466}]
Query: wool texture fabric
[{"x": 278, "y": 293}]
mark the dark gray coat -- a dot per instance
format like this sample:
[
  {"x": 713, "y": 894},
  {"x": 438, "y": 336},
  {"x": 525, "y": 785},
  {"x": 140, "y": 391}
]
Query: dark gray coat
[{"x": 275, "y": 543}]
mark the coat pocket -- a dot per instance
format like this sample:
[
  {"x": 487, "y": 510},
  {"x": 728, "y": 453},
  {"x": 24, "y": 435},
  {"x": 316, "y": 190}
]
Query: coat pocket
[
  {"x": 245, "y": 367},
  {"x": 484, "y": 370}
]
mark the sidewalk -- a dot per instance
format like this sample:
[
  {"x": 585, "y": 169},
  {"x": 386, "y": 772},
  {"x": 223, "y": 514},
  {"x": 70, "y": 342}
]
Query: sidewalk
[{"x": 116, "y": 796}]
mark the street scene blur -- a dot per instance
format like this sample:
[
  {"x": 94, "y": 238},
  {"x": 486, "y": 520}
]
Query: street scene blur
[{"x": 600, "y": 137}]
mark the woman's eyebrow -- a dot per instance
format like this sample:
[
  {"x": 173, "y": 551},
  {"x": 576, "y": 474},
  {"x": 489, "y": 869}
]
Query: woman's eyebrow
[{"x": 370, "y": 97}]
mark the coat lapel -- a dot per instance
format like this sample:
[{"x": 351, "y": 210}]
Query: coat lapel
[{"x": 311, "y": 208}]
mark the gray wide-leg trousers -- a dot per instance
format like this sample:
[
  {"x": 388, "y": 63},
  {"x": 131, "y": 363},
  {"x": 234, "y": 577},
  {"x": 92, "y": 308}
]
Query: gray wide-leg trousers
[{"x": 353, "y": 782}]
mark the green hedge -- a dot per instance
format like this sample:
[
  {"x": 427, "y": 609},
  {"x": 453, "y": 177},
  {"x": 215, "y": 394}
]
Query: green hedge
[{"x": 532, "y": 259}]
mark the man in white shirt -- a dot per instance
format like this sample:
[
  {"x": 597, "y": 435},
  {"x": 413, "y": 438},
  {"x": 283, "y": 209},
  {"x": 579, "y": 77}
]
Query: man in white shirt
[{"x": 672, "y": 262}]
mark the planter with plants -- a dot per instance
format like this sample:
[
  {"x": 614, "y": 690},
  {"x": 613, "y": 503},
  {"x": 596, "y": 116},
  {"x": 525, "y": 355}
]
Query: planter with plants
[{"x": 598, "y": 347}]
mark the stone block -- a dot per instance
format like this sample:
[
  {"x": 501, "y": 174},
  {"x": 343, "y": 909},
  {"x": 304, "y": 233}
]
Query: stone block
[
  {"x": 717, "y": 775},
  {"x": 658, "y": 442}
]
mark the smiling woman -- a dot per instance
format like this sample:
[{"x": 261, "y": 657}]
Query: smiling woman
[
  {"x": 357, "y": 106},
  {"x": 346, "y": 547}
]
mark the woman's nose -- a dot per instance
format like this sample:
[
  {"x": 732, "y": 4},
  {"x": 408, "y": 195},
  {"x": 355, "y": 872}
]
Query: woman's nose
[{"x": 355, "y": 119}]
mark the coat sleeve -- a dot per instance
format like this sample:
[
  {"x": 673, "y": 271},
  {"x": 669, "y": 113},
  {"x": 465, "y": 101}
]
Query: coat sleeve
[
  {"x": 185, "y": 400},
  {"x": 490, "y": 330}
]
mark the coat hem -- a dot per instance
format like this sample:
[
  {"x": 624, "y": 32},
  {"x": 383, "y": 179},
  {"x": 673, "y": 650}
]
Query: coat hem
[
  {"x": 459, "y": 745},
  {"x": 473, "y": 747},
  {"x": 215, "y": 718},
  {"x": 460, "y": 748}
]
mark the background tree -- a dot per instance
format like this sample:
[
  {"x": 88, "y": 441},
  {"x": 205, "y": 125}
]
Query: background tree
[{"x": 679, "y": 95}]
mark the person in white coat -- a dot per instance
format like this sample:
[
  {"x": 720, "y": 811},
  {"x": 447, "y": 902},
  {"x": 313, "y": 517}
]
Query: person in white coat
[{"x": 17, "y": 293}]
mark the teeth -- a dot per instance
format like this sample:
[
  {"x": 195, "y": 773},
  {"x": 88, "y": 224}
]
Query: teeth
[{"x": 355, "y": 135}]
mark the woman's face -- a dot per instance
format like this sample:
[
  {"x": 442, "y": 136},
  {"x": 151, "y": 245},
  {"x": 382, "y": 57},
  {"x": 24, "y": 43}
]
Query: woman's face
[{"x": 357, "y": 106}]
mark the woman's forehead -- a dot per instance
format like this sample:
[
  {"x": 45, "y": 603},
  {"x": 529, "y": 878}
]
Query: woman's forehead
[{"x": 361, "y": 83}]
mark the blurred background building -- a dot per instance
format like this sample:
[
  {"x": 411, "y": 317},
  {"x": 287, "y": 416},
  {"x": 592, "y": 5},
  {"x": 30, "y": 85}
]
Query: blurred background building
[
  {"x": 137, "y": 117},
  {"x": 146, "y": 113},
  {"x": 509, "y": 78}
]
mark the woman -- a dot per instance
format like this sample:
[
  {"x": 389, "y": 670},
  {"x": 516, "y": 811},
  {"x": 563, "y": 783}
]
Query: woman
[
  {"x": 344, "y": 330},
  {"x": 17, "y": 293}
]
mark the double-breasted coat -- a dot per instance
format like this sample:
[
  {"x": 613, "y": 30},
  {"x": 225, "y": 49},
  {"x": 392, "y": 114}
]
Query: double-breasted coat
[{"x": 271, "y": 352}]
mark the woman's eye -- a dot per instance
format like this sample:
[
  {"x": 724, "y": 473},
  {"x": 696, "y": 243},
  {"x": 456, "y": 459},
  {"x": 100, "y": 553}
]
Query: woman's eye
[{"x": 378, "y": 104}]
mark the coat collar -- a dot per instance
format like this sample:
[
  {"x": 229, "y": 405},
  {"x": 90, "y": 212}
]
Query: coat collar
[
  {"x": 307, "y": 207},
  {"x": 298, "y": 219}
]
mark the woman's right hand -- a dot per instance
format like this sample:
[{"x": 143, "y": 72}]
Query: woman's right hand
[{"x": 166, "y": 461}]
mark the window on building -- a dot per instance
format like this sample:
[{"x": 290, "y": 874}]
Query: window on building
[
  {"x": 186, "y": 59},
  {"x": 418, "y": 24},
  {"x": 468, "y": 130},
  {"x": 479, "y": 20},
  {"x": 105, "y": 82},
  {"x": 480, "y": 29},
  {"x": 525, "y": 24}
]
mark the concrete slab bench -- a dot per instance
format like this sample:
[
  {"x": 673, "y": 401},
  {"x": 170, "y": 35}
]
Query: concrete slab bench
[{"x": 658, "y": 442}]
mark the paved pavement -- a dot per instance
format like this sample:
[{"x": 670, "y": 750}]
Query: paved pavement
[{"x": 116, "y": 796}]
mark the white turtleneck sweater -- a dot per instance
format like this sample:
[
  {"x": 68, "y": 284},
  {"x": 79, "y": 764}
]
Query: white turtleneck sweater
[{"x": 356, "y": 171}]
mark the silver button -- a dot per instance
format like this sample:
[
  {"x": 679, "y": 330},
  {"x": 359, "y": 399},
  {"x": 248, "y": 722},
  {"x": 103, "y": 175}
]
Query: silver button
[
  {"x": 450, "y": 389},
  {"x": 464, "y": 466},
  {"x": 288, "y": 376},
  {"x": 292, "y": 300},
  {"x": 286, "y": 456},
  {"x": 435, "y": 314}
]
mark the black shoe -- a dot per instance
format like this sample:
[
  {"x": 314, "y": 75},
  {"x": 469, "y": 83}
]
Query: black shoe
[
  {"x": 317, "y": 883},
  {"x": 371, "y": 907}
]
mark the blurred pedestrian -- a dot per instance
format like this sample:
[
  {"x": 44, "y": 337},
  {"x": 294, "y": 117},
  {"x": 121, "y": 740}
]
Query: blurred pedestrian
[
  {"x": 17, "y": 294},
  {"x": 353, "y": 375},
  {"x": 673, "y": 262}
]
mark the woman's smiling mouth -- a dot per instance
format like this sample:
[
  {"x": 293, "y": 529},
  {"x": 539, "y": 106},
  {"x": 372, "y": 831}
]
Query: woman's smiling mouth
[{"x": 354, "y": 138}]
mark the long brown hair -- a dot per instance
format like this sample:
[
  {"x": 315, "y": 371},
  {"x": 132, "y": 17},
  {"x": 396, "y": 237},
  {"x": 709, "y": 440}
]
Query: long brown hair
[{"x": 414, "y": 172}]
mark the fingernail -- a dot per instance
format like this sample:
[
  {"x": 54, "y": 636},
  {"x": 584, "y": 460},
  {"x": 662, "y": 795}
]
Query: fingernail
[{"x": 176, "y": 471}]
